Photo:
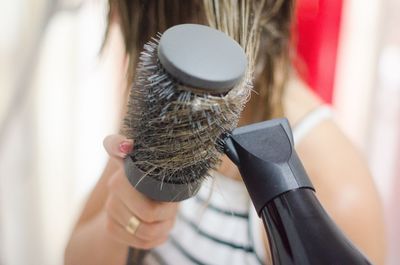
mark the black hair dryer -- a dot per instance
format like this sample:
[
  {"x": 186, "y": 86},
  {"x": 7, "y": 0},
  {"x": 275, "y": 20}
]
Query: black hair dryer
[{"x": 299, "y": 230}]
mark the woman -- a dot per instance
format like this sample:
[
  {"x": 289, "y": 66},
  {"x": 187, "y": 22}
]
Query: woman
[{"x": 198, "y": 231}]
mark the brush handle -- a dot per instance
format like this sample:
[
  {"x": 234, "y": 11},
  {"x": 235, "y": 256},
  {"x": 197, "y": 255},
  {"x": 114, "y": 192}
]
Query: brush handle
[{"x": 135, "y": 258}]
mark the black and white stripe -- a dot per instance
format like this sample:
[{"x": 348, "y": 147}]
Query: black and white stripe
[{"x": 214, "y": 231}]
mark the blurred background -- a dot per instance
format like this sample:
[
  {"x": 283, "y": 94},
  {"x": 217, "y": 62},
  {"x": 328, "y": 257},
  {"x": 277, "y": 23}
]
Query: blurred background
[{"x": 59, "y": 98}]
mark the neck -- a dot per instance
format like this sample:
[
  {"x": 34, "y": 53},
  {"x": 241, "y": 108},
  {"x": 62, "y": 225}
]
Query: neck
[
  {"x": 253, "y": 111},
  {"x": 250, "y": 114}
]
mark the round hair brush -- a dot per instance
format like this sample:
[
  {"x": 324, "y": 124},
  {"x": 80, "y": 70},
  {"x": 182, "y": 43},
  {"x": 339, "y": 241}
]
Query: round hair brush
[{"x": 191, "y": 85}]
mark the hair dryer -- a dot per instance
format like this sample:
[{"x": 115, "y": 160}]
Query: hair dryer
[{"x": 298, "y": 228}]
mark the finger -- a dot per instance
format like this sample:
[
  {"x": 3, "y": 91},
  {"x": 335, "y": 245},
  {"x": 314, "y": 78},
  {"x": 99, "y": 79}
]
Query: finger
[
  {"x": 117, "y": 146},
  {"x": 116, "y": 209},
  {"x": 144, "y": 208},
  {"x": 119, "y": 233},
  {"x": 145, "y": 231},
  {"x": 154, "y": 231}
]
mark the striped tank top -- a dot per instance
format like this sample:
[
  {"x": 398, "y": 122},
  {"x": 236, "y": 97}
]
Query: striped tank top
[{"x": 219, "y": 226}]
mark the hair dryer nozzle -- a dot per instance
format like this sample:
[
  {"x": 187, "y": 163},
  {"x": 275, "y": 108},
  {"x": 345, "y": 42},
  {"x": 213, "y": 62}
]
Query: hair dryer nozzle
[{"x": 266, "y": 147}]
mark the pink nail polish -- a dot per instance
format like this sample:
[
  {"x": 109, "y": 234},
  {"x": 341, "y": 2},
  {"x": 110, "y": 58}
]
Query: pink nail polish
[{"x": 125, "y": 147}]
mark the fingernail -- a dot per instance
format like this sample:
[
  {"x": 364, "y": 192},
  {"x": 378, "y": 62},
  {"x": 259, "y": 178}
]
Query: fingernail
[{"x": 125, "y": 147}]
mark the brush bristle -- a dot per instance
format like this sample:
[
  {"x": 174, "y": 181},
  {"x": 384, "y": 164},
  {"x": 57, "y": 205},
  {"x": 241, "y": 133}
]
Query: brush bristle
[{"x": 175, "y": 127}]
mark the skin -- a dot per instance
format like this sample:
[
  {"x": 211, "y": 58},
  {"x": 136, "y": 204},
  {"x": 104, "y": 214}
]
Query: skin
[{"x": 343, "y": 183}]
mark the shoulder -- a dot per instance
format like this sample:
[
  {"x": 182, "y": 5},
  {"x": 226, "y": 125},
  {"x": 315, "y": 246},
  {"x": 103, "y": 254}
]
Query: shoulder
[
  {"x": 344, "y": 186},
  {"x": 328, "y": 155},
  {"x": 339, "y": 173},
  {"x": 298, "y": 101}
]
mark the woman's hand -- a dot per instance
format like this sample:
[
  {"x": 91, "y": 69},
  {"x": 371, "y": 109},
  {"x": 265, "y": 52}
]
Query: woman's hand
[{"x": 125, "y": 203}]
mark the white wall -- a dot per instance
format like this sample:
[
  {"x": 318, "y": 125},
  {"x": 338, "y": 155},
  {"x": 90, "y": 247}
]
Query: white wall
[
  {"x": 51, "y": 153},
  {"x": 367, "y": 98}
]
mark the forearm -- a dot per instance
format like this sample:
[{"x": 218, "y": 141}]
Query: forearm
[{"x": 90, "y": 244}]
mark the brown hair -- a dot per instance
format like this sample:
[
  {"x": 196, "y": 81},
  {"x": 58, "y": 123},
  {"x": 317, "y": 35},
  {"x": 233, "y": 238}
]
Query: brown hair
[{"x": 267, "y": 22}]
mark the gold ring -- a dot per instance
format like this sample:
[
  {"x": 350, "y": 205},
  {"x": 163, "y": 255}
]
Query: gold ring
[{"x": 133, "y": 225}]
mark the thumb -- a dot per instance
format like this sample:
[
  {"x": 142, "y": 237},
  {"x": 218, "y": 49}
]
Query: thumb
[{"x": 117, "y": 146}]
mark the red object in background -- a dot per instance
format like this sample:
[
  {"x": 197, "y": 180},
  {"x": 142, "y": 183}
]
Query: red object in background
[{"x": 316, "y": 35}]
